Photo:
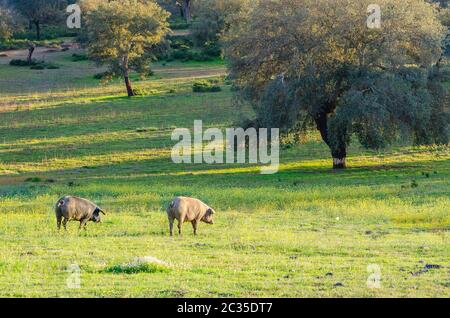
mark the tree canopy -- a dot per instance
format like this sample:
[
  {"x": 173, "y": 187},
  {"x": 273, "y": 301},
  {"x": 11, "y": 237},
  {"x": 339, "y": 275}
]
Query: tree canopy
[
  {"x": 6, "y": 22},
  {"x": 181, "y": 7},
  {"x": 123, "y": 33},
  {"x": 214, "y": 18},
  {"x": 39, "y": 12},
  {"x": 304, "y": 63}
]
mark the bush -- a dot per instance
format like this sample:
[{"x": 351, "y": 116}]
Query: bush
[
  {"x": 178, "y": 23},
  {"x": 54, "y": 45},
  {"x": 144, "y": 92},
  {"x": 52, "y": 67},
  {"x": 38, "y": 67},
  {"x": 140, "y": 92},
  {"x": 42, "y": 65},
  {"x": 48, "y": 32},
  {"x": 103, "y": 75},
  {"x": 18, "y": 44},
  {"x": 35, "y": 65},
  {"x": 33, "y": 179},
  {"x": 178, "y": 42},
  {"x": 140, "y": 265},
  {"x": 189, "y": 55},
  {"x": 18, "y": 62},
  {"x": 212, "y": 49},
  {"x": 200, "y": 57},
  {"x": 181, "y": 54},
  {"x": 205, "y": 87},
  {"x": 79, "y": 57}
]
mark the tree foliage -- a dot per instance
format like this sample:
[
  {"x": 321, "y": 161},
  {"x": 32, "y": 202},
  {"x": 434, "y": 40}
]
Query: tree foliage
[
  {"x": 39, "y": 12},
  {"x": 315, "y": 62},
  {"x": 182, "y": 7},
  {"x": 6, "y": 22},
  {"x": 123, "y": 34},
  {"x": 214, "y": 18}
]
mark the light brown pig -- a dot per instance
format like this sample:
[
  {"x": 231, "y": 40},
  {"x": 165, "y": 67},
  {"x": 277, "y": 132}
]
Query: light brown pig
[{"x": 188, "y": 210}]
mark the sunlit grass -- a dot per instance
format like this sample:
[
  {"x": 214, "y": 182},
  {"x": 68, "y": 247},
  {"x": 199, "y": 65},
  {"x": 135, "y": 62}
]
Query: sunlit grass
[{"x": 296, "y": 233}]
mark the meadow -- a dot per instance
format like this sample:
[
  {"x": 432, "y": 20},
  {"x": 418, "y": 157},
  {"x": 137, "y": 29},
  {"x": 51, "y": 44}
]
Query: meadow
[{"x": 307, "y": 231}]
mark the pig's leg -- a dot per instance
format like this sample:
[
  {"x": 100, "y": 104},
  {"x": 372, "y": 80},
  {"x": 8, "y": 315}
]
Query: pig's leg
[
  {"x": 194, "y": 225},
  {"x": 171, "y": 220},
  {"x": 83, "y": 224},
  {"x": 180, "y": 226},
  {"x": 58, "y": 222},
  {"x": 64, "y": 223}
]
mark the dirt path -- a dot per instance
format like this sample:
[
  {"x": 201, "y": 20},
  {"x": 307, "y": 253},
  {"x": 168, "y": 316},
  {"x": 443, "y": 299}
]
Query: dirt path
[{"x": 40, "y": 53}]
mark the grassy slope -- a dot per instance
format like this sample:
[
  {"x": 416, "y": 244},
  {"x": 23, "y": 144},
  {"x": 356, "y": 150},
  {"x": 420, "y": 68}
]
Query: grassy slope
[{"x": 275, "y": 235}]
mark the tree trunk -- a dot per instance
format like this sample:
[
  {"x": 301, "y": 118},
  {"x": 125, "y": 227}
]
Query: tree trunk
[
  {"x": 30, "y": 54},
  {"x": 339, "y": 154},
  {"x": 38, "y": 30},
  {"x": 126, "y": 75},
  {"x": 186, "y": 9},
  {"x": 128, "y": 84},
  {"x": 181, "y": 11}
]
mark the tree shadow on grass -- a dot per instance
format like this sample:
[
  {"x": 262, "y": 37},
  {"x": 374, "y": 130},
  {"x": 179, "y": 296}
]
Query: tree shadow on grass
[
  {"x": 101, "y": 116},
  {"x": 162, "y": 168}
]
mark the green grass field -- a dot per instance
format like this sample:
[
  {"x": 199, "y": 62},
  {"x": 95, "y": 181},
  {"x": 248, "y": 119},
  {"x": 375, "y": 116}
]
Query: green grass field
[{"x": 306, "y": 231}]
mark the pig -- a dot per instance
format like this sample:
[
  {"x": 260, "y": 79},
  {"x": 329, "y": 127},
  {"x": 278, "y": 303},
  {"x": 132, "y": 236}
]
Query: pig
[
  {"x": 188, "y": 210},
  {"x": 72, "y": 208}
]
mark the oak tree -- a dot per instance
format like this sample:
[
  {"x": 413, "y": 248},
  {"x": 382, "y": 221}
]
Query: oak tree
[
  {"x": 123, "y": 33},
  {"x": 303, "y": 63}
]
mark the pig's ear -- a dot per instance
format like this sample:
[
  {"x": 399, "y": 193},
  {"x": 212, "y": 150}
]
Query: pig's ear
[
  {"x": 210, "y": 211},
  {"x": 98, "y": 211}
]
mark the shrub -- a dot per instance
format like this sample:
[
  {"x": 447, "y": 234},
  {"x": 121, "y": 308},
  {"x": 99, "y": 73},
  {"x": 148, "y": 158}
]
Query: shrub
[
  {"x": 212, "y": 49},
  {"x": 205, "y": 87},
  {"x": 79, "y": 57},
  {"x": 18, "y": 62},
  {"x": 52, "y": 67},
  {"x": 48, "y": 32},
  {"x": 179, "y": 42},
  {"x": 17, "y": 44},
  {"x": 144, "y": 92},
  {"x": 37, "y": 67},
  {"x": 103, "y": 75},
  {"x": 54, "y": 45},
  {"x": 200, "y": 57},
  {"x": 33, "y": 179},
  {"x": 181, "y": 54},
  {"x": 140, "y": 92},
  {"x": 140, "y": 265},
  {"x": 178, "y": 23},
  {"x": 136, "y": 268}
]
